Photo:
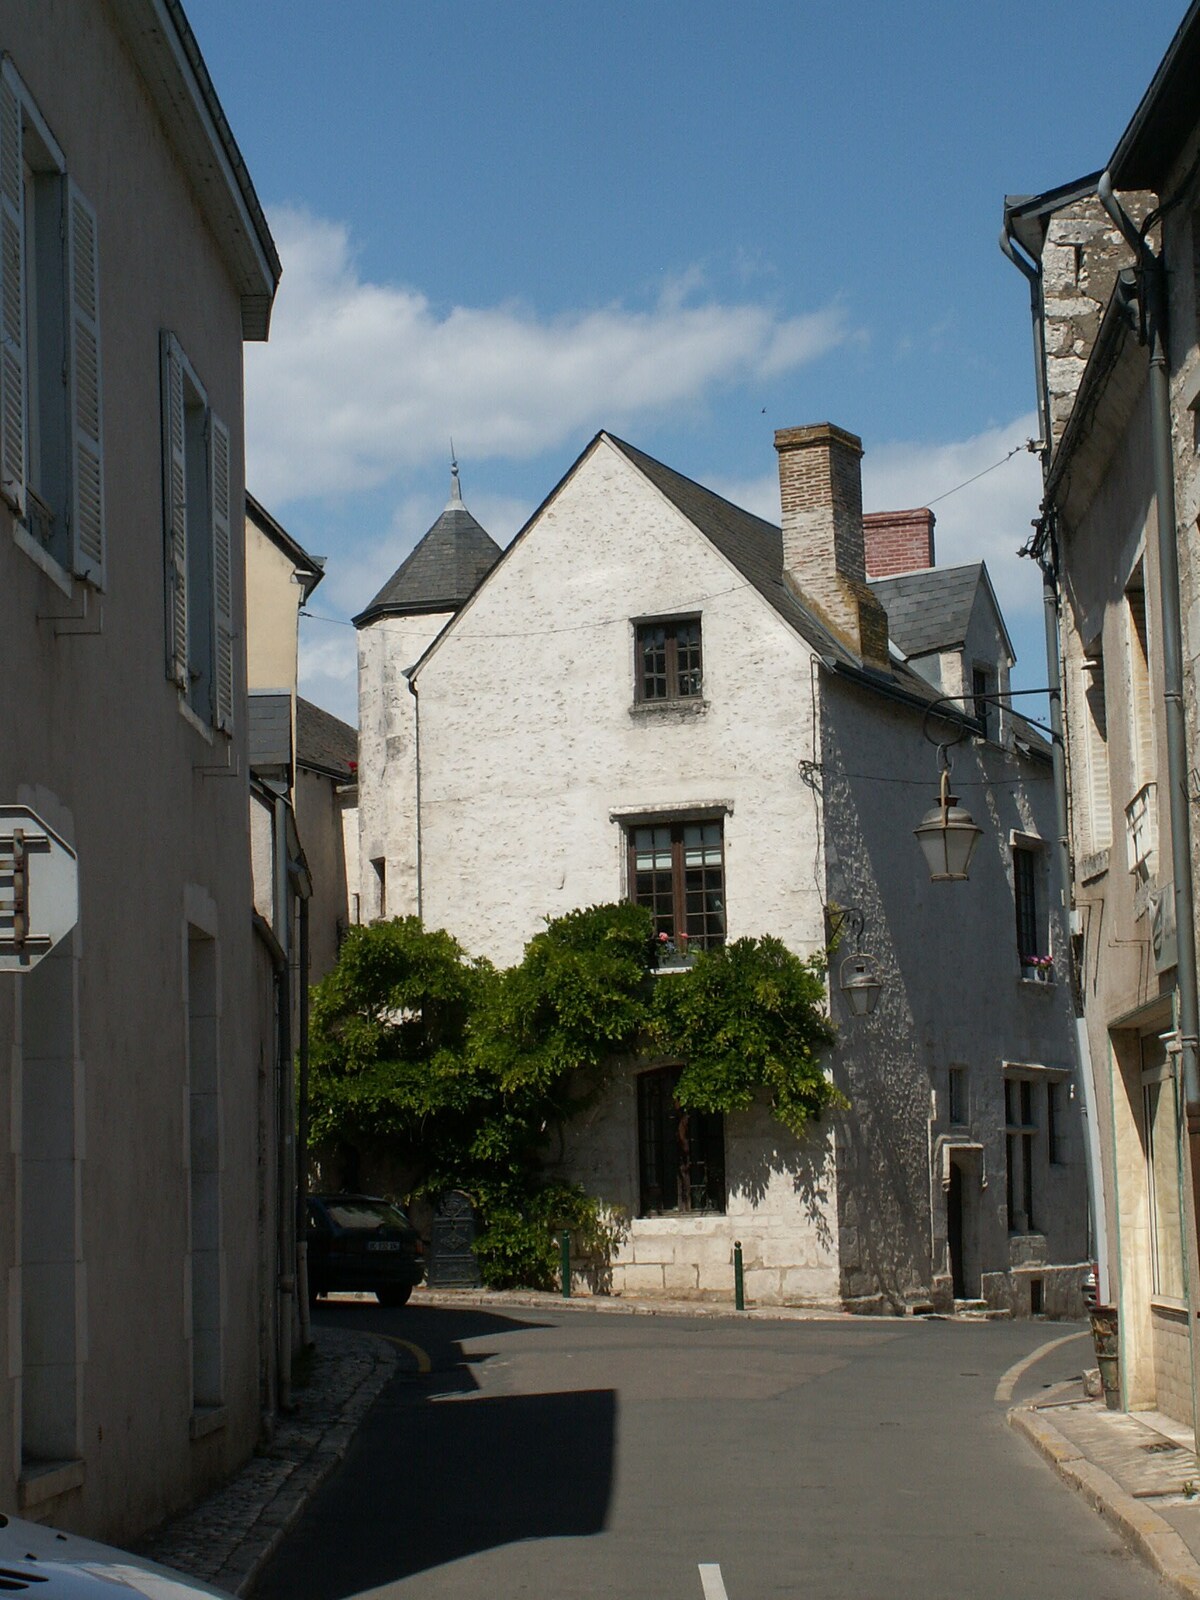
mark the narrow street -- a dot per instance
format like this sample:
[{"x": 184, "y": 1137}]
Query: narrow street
[{"x": 583, "y": 1454}]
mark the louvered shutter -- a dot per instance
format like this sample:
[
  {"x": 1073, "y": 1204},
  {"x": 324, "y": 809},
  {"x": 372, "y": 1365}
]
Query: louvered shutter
[
  {"x": 175, "y": 512},
  {"x": 12, "y": 299},
  {"x": 87, "y": 478},
  {"x": 222, "y": 571}
]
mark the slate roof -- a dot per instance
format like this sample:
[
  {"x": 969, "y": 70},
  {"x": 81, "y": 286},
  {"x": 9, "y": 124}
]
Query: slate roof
[
  {"x": 931, "y": 609},
  {"x": 753, "y": 545},
  {"x": 324, "y": 743},
  {"x": 445, "y": 567}
]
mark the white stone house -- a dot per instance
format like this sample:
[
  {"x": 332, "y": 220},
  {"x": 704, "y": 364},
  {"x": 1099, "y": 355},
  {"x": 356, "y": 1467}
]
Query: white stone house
[
  {"x": 135, "y": 1231},
  {"x": 655, "y": 694}
]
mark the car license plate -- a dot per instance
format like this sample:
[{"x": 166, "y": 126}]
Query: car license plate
[{"x": 383, "y": 1244}]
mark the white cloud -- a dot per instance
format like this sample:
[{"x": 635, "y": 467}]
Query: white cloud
[{"x": 362, "y": 379}]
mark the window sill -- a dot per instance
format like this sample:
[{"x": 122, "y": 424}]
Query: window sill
[
  {"x": 204, "y": 729},
  {"x": 681, "y": 710},
  {"x": 46, "y": 1480},
  {"x": 58, "y": 575},
  {"x": 205, "y": 1420},
  {"x": 1026, "y": 982}
]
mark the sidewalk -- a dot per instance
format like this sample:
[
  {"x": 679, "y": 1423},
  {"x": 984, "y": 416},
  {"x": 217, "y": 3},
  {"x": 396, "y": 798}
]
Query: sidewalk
[
  {"x": 227, "y": 1539},
  {"x": 1139, "y": 1470}
]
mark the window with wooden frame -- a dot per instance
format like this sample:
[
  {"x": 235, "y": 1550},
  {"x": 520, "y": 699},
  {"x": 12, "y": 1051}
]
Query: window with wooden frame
[
  {"x": 677, "y": 870},
  {"x": 1020, "y": 1134},
  {"x": 668, "y": 663},
  {"x": 51, "y": 450},
  {"x": 681, "y": 1154}
]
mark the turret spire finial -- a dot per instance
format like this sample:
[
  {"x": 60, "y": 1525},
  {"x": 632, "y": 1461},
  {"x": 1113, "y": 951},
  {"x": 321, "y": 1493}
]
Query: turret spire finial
[{"x": 455, "y": 488}]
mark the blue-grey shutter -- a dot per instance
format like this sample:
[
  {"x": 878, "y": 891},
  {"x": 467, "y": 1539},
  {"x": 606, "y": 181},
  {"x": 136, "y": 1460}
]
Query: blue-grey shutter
[
  {"x": 86, "y": 435},
  {"x": 175, "y": 512},
  {"x": 12, "y": 298},
  {"x": 222, "y": 547}
]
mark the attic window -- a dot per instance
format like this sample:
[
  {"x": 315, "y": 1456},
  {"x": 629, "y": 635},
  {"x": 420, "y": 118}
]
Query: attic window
[{"x": 667, "y": 660}]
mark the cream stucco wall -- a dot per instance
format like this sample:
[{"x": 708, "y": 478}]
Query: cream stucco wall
[
  {"x": 96, "y": 736},
  {"x": 273, "y": 601}
]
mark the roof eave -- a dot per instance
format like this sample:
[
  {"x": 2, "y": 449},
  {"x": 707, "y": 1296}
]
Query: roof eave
[
  {"x": 1026, "y": 216},
  {"x": 1166, "y": 115},
  {"x": 309, "y": 570},
  {"x": 168, "y": 57}
]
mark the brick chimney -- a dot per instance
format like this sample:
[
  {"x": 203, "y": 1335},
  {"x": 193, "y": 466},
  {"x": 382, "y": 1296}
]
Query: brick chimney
[
  {"x": 820, "y": 492},
  {"x": 898, "y": 541}
]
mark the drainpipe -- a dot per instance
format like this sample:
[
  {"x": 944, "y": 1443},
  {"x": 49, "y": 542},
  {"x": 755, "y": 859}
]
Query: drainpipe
[
  {"x": 286, "y": 1262},
  {"x": 412, "y": 689},
  {"x": 302, "y": 1298},
  {"x": 1048, "y": 562}
]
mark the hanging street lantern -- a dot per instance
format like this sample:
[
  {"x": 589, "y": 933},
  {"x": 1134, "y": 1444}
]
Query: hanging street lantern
[
  {"x": 857, "y": 978},
  {"x": 860, "y": 985},
  {"x": 948, "y": 833}
]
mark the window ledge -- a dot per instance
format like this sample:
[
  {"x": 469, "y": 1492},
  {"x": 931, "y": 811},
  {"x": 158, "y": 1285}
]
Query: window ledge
[
  {"x": 1048, "y": 984},
  {"x": 58, "y": 575},
  {"x": 204, "y": 729},
  {"x": 207, "y": 1419},
  {"x": 45, "y": 1480},
  {"x": 681, "y": 710}
]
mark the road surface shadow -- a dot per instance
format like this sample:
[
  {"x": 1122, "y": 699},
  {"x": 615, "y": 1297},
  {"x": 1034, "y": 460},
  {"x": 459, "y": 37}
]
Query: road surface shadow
[{"x": 438, "y": 1471}]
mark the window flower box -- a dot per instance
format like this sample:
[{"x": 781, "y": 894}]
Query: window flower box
[{"x": 1037, "y": 969}]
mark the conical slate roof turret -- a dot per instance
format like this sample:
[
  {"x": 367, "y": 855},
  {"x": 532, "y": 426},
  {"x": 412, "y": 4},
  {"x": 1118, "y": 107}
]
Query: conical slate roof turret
[{"x": 444, "y": 568}]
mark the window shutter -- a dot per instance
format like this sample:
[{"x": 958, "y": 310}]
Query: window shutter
[
  {"x": 87, "y": 481},
  {"x": 175, "y": 512},
  {"x": 12, "y": 299},
  {"x": 222, "y": 571}
]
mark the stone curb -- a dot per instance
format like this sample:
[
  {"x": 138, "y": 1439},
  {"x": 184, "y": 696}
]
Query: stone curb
[
  {"x": 1154, "y": 1539},
  {"x": 614, "y": 1305},
  {"x": 228, "y": 1538}
]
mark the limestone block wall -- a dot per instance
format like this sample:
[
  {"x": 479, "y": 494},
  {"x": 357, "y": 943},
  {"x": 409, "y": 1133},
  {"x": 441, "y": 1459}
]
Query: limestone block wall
[{"x": 780, "y": 1205}]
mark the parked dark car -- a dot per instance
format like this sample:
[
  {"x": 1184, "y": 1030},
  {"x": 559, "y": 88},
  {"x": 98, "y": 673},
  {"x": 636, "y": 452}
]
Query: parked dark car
[{"x": 356, "y": 1241}]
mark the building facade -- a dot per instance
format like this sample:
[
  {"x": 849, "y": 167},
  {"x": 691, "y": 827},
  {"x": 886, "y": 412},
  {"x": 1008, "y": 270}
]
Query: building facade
[
  {"x": 135, "y": 1229},
  {"x": 1112, "y": 262},
  {"x": 654, "y": 694}
]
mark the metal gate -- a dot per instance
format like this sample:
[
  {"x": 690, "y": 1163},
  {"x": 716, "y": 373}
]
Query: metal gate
[{"x": 452, "y": 1262}]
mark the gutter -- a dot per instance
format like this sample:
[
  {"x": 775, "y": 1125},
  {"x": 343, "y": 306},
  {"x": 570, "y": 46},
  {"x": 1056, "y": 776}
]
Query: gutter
[{"x": 412, "y": 689}]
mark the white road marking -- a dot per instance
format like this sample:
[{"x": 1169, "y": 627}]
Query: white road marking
[
  {"x": 711, "y": 1581},
  {"x": 1004, "y": 1389}
]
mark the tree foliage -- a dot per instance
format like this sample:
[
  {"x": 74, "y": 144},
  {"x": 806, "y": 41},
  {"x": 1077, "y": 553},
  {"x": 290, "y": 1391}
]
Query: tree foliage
[{"x": 462, "y": 1072}]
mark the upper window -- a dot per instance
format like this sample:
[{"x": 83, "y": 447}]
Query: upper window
[
  {"x": 677, "y": 869},
  {"x": 51, "y": 449},
  {"x": 199, "y": 572},
  {"x": 1141, "y": 714},
  {"x": 1031, "y": 905},
  {"x": 668, "y": 660},
  {"x": 983, "y": 685},
  {"x": 1095, "y": 708}
]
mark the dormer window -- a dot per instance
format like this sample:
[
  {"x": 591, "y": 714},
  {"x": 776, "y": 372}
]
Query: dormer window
[
  {"x": 983, "y": 690},
  {"x": 668, "y": 665}
]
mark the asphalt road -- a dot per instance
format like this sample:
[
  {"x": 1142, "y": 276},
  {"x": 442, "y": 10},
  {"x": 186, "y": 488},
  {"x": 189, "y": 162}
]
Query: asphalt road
[{"x": 670, "y": 1458}]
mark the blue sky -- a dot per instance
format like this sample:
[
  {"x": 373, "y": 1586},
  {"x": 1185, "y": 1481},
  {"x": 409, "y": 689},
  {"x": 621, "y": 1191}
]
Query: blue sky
[{"x": 514, "y": 224}]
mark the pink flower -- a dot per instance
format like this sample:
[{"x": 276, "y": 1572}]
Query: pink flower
[
  {"x": 683, "y": 935},
  {"x": 664, "y": 938}
]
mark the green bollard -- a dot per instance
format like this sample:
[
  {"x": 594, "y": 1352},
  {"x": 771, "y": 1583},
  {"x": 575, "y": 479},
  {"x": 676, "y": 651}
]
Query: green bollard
[
  {"x": 564, "y": 1246},
  {"x": 739, "y": 1282}
]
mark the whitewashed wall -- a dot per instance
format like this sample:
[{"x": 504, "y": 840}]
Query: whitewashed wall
[{"x": 531, "y": 746}]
